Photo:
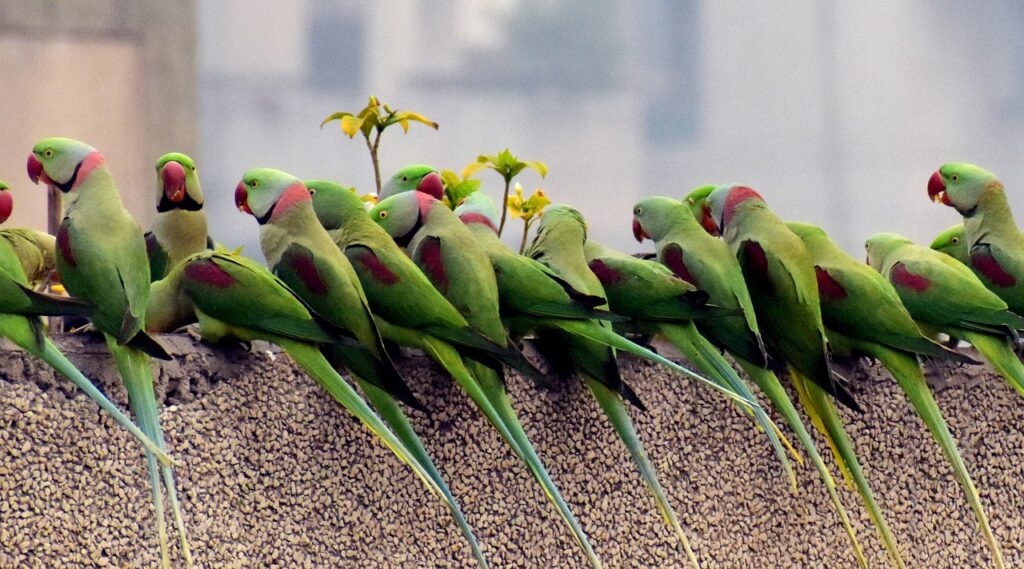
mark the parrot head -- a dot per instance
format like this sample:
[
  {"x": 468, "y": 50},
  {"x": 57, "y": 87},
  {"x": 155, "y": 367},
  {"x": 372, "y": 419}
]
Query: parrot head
[
  {"x": 722, "y": 203},
  {"x": 403, "y": 214},
  {"x": 881, "y": 245},
  {"x": 266, "y": 194},
  {"x": 477, "y": 207},
  {"x": 952, "y": 243},
  {"x": 562, "y": 223},
  {"x": 178, "y": 180},
  {"x": 6, "y": 202},
  {"x": 418, "y": 177},
  {"x": 334, "y": 204},
  {"x": 696, "y": 198},
  {"x": 960, "y": 185},
  {"x": 62, "y": 163},
  {"x": 654, "y": 216}
]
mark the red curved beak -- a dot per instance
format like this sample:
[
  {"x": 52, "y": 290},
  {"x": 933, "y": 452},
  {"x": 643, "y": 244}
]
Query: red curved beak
[
  {"x": 6, "y": 205},
  {"x": 431, "y": 184},
  {"x": 937, "y": 189},
  {"x": 242, "y": 198},
  {"x": 35, "y": 169},
  {"x": 708, "y": 222},
  {"x": 638, "y": 231},
  {"x": 173, "y": 176}
]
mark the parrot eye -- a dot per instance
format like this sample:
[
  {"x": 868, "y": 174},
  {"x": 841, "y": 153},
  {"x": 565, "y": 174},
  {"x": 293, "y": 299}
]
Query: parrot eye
[
  {"x": 312, "y": 192},
  {"x": 405, "y": 178},
  {"x": 639, "y": 210},
  {"x": 954, "y": 177},
  {"x": 193, "y": 168},
  {"x": 254, "y": 183},
  {"x": 955, "y": 240},
  {"x": 383, "y": 214},
  {"x": 48, "y": 153}
]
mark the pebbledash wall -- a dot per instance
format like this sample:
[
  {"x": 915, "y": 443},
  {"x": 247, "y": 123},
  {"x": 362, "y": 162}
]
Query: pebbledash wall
[{"x": 276, "y": 475}]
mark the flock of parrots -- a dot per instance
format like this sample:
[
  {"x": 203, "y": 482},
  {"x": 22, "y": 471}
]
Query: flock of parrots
[{"x": 348, "y": 281}]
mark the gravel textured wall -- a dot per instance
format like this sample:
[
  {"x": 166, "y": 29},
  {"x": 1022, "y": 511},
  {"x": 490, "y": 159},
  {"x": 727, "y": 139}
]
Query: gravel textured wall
[{"x": 276, "y": 475}]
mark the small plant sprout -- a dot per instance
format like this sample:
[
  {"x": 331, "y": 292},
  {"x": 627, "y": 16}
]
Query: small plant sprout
[
  {"x": 456, "y": 188},
  {"x": 371, "y": 121},
  {"x": 528, "y": 209},
  {"x": 508, "y": 166}
]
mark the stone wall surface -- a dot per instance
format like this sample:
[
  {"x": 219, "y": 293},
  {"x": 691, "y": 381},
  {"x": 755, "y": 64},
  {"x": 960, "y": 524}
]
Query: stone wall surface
[{"x": 276, "y": 475}]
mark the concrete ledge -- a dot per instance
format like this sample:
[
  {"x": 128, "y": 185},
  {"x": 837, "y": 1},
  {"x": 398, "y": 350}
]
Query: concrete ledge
[{"x": 277, "y": 475}]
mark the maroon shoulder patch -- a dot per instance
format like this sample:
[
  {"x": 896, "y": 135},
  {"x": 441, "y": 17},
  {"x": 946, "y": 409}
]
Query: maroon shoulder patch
[
  {"x": 208, "y": 273},
  {"x": 828, "y": 287},
  {"x": 430, "y": 257},
  {"x": 903, "y": 278},
  {"x": 756, "y": 259},
  {"x": 604, "y": 273},
  {"x": 305, "y": 267},
  {"x": 64, "y": 244},
  {"x": 985, "y": 263},
  {"x": 378, "y": 270},
  {"x": 675, "y": 261}
]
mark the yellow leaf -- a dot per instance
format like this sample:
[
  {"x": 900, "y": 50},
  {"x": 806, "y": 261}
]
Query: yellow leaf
[
  {"x": 473, "y": 168},
  {"x": 350, "y": 125}
]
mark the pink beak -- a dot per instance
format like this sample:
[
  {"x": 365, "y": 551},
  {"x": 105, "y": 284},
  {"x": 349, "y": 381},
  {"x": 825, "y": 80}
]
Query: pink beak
[
  {"x": 35, "y": 169},
  {"x": 937, "y": 189},
  {"x": 173, "y": 176},
  {"x": 242, "y": 198},
  {"x": 431, "y": 184},
  {"x": 6, "y": 205}
]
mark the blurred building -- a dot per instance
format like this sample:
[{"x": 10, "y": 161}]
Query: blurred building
[
  {"x": 118, "y": 74},
  {"x": 838, "y": 112}
]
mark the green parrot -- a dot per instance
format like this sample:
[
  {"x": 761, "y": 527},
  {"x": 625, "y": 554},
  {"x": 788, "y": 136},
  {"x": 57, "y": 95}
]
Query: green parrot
[
  {"x": 180, "y": 225},
  {"x": 952, "y": 243},
  {"x": 101, "y": 259},
  {"x": 944, "y": 295},
  {"x": 706, "y": 262},
  {"x": 533, "y": 297},
  {"x": 780, "y": 276},
  {"x": 657, "y": 302},
  {"x": 20, "y": 307},
  {"x": 302, "y": 254},
  {"x": 994, "y": 243},
  {"x": 34, "y": 249},
  {"x": 864, "y": 316},
  {"x": 419, "y": 177},
  {"x": 411, "y": 312},
  {"x": 558, "y": 244},
  {"x": 223, "y": 286}
]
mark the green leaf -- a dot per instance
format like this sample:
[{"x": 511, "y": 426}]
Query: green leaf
[{"x": 540, "y": 167}]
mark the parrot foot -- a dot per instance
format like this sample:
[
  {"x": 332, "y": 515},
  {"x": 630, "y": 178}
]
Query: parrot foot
[
  {"x": 190, "y": 330},
  {"x": 87, "y": 328}
]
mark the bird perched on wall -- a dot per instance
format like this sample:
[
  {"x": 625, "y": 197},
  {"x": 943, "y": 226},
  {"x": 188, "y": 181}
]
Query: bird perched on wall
[
  {"x": 101, "y": 258},
  {"x": 558, "y": 244},
  {"x": 943, "y": 295},
  {"x": 20, "y": 308},
  {"x": 706, "y": 262},
  {"x": 180, "y": 225},
  {"x": 302, "y": 254},
  {"x": 864, "y": 316},
  {"x": 455, "y": 269},
  {"x": 993, "y": 242},
  {"x": 780, "y": 276}
]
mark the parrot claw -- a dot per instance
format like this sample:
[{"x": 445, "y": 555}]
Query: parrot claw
[
  {"x": 87, "y": 328},
  {"x": 190, "y": 330}
]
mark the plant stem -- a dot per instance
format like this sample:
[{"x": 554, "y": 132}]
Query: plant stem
[
  {"x": 526, "y": 231},
  {"x": 373, "y": 158},
  {"x": 504, "y": 206}
]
